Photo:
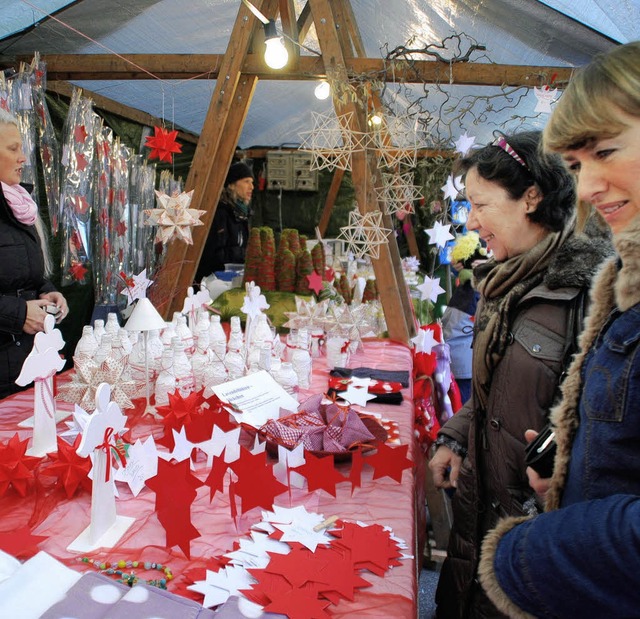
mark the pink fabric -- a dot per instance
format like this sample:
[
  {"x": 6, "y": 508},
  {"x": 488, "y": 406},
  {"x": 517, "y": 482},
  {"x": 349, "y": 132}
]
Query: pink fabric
[
  {"x": 382, "y": 501},
  {"x": 21, "y": 203}
]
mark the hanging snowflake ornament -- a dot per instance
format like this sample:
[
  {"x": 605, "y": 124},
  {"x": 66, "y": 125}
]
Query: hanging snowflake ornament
[
  {"x": 365, "y": 234},
  {"x": 331, "y": 142},
  {"x": 439, "y": 234},
  {"x": 464, "y": 143},
  {"x": 399, "y": 193},
  {"x": 452, "y": 187},
  {"x": 173, "y": 217},
  {"x": 163, "y": 144}
]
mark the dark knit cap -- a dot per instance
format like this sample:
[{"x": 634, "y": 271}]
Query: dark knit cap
[{"x": 238, "y": 171}]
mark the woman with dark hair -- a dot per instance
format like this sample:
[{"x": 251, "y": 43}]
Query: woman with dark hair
[
  {"x": 532, "y": 295},
  {"x": 582, "y": 557},
  {"x": 25, "y": 294}
]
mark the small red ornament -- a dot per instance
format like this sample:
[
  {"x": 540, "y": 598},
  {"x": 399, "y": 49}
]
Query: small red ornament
[
  {"x": 315, "y": 282},
  {"x": 71, "y": 469},
  {"x": 80, "y": 134},
  {"x": 78, "y": 271},
  {"x": 163, "y": 144},
  {"x": 16, "y": 468}
]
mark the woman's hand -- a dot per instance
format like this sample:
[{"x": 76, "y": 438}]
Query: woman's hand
[
  {"x": 445, "y": 468},
  {"x": 36, "y": 313},
  {"x": 59, "y": 301},
  {"x": 540, "y": 485}
]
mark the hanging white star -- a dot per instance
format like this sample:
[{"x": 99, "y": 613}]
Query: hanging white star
[
  {"x": 430, "y": 289},
  {"x": 452, "y": 187},
  {"x": 424, "y": 341},
  {"x": 439, "y": 234},
  {"x": 464, "y": 143},
  {"x": 173, "y": 217}
]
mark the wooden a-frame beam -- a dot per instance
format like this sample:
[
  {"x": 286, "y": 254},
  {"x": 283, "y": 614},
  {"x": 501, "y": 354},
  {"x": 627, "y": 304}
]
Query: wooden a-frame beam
[
  {"x": 75, "y": 67},
  {"x": 304, "y": 22},
  {"x": 390, "y": 289},
  {"x": 290, "y": 28}
]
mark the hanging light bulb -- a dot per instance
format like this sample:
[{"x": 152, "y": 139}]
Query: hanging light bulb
[
  {"x": 323, "y": 90},
  {"x": 375, "y": 119},
  {"x": 275, "y": 55}
]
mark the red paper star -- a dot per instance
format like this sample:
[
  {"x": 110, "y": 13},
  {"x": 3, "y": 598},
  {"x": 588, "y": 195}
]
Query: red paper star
[
  {"x": 298, "y": 604},
  {"x": 180, "y": 412},
  {"x": 16, "y": 468},
  {"x": 80, "y": 204},
  {"x": 46, "y": 155},
  {"x": 121, "y": 228},
  {"x": 320, "y": 473},
  {"x": 341, "y": 576},
  {"x": 80, "y": 134},
  {"x": 175, "y": 487},
  {"x": 102, "y": 180},
  {"x": 215, "y": 479},
  {"x": 77, "y": 271},
  {"x": 122, "y": 196},
  {"x": 299, "y": 566},
  {"x": 71, "y": 469},
  {"x": 355, "y": 475},
  {"x": 81, "y": 161},
  {"x": 105, "y": 247},
  {"x": 256, "y": 485},
  {"x": 315, "y": 282},
  {"x": 268, "y": 586},
  {"x": 163, "y": 144},
  {"x": 20, "y": 543},
  {"x": 389, "y": 461}
]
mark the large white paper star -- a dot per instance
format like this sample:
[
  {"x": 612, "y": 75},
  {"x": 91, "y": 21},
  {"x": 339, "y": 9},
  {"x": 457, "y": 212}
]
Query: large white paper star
[
  {"x": 439, "y": 234},
  {"x": 173, "y": 217},
  {"x": 430, "y": 289},
  {"x": 218, "y": 586},
  {"x": 452, "y": 187},
  {"x": 229, "y": 441},
  {"x": 464, "y": 143},
  {"x": 253, "y": 551},
  {"x": 358, "y": 391}
]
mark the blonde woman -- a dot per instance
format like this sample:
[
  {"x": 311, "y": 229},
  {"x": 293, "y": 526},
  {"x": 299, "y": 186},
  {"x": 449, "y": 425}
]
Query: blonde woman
[
  {"x": 26, "y": 296},
  {"x": 582, "y": 557}
]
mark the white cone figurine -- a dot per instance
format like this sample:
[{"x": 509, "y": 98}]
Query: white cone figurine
[
  {"x": 99, "y": 438},
  {"x": 39, "y": 367},
  {"x": 145, "y": 318}
]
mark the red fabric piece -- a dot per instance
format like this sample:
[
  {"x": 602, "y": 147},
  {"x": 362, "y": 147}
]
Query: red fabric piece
[
  {"x": 256, "y": 485},
  {"x": 163, "y": 144},
  {"x": 20, "y": 543},
  {"x": 389, "y": 461},
  {"x": 16, "y": 468},
  {"x": 70, "y": 469},
  {"x": 320, "y": 473}
]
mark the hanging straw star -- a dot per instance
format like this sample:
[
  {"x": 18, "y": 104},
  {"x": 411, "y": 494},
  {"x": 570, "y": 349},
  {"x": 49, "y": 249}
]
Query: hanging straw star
[
  {"x": 398, "y": 193},
  {"x": 365, "y": 234}
]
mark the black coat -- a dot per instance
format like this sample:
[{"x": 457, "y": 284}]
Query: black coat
[
  {"x": 21, "y": 279},
  {"x": 226, "y": 243}
]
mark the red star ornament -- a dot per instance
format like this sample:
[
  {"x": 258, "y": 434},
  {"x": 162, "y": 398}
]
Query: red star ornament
[
  {"x": 163, "y": 144},
  {"x": 256, "y": 485},
  {"x": 80, "y": 134},
  {"x": 16, "y": 468},
  {"x": 315, "y": 282},
  {"x": 71, "y": 470},
  {"x": 299, "y": 566},
  {"x": 340, "y": 576},
  {"x": 215, "y": 479},
  {"x": 299, "y": 604},
  {"x": 20, "y": 542},
  {"x": 81, "y": 162},
  {"x": 389, "y": 461},
  {"x": 121, "y": 228},
  {"x": 320, "y": 473},
  {"x": 77, "y": 271}
]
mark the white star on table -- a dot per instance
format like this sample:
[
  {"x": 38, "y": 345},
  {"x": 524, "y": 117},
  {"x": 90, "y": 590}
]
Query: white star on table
[
  {"x": 424, "y": 341},
  {"x": 452, "y": 187},
  {"x": 218, "y": 586},
  {"x": 358, "y": 391},
  {"x": 253, "y": 551},
  {"x": 439, "y": 234},
  {"x": 331, "y": 142},
  {"x": 229, "y": 441},
  {"x": 308, "y": 314},
  {"x": 430, "y": 289},
  {"x": 173, "y": 217},
  {"x": 289, "y": 459},
  {"x": 464, "y": 143},
  {"x": 139, "y": 288},
  {"x": 301, "y": 529},
  {"x": 142, "y": 464}
]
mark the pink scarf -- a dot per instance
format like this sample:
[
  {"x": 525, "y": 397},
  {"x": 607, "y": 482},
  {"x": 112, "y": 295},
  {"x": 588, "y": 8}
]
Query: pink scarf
[{"x": 23, "y": 207}]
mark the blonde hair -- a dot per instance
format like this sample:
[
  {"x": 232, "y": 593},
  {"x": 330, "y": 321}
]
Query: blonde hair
[
  {"x": 6, "y": 118},
  {"x": 589, "y": 110}
]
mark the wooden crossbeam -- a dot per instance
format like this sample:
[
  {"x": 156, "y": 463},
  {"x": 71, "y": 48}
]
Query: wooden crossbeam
[{"x": 74, "y": 67}]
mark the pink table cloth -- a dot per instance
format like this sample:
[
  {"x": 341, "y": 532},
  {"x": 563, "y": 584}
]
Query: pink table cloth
[{"x": 400, "y": 506}]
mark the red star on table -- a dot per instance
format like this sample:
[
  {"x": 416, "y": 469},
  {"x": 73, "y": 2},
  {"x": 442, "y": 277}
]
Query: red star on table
[
  {"x": 121, "y": 228},
  {"x": 368, "y": 547},
  {"x": 163, "y": 144},
  {"x": 180, "y": 411},
  {"x": 16, "y": 468},
  {"x": 256, "y": 485},
  {"x": 355, "y": 474},
  {"x": 215, "y": 479},
  {"x": 340, "y": 576},
  {"x": 71, "y": 469},
  {"x": 77, "y": 271},
  {"x": 268, "y": 586},
  {"x": 20, "y": 542},
  {"x": 389, "y": 461},
  {"x": 81, "y": 162},
  {"x": 299, "y": 566},
  {"x": 321, "y": 473},
  {"x": 298, "y": 604},
  {"x": 175, "y": 487},
  {"x": 315, "y": 282},
  {"x": 80, "y": 134}
]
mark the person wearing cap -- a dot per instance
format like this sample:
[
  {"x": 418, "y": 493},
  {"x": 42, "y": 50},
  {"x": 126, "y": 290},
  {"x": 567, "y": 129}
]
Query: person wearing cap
[{"x": 227, "y": 240}]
